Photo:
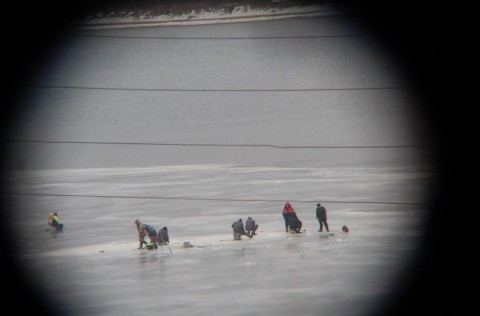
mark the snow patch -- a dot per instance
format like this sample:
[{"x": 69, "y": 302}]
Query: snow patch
[{"x": 238, "y": 14}]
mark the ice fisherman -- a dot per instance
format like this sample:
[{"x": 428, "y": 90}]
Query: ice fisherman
[
  {"x": 321, "y": 213},
  {"x": 250, "y": 226},
  {"x": 162, "y": 238},
  {"x": 286, "y": 213},
  {"x": 239, "y": 230},
  {"x": 146, "y": 230},
  {"x": 294, "y": 223},
  {"x": 54, "y": 222}
]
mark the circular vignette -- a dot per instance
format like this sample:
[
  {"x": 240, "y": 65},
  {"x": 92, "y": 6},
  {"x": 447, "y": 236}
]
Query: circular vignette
[{"x": 401, "y": 41}]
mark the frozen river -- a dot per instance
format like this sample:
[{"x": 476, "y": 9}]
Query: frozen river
[
  {"x": 93, "y": 268},
  {"x": 193, "y": 127}
]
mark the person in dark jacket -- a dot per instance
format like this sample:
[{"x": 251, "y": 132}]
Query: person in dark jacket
[
  {"x": 146, "y": 230},
  {"x": 162, "y": 238},
  {"x": 286, "y": 213},
  {"x": 238, "y": 228},
  {"x": 250, "y": 226},
  {"x": 295, "y": 223},
  {"x": 321, "y": 213}
]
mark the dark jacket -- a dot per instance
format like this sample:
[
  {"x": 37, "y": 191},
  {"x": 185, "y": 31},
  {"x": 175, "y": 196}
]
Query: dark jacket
[
  {"x": 150, "y": 230},
  {"x": 145, "y": 230},
  {"x": 294, "y": 223},
  {"x": 238, "y": 227},
  {"x": 163, "y": 237},
  {"x": 321, "y": 213},
  {"x": 250, "y": 224}
]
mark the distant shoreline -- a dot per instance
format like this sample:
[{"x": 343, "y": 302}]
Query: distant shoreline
[{"x": 202, "y": 12}]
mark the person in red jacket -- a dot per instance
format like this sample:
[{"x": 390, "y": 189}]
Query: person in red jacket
[{"x": 287, "y": 212}]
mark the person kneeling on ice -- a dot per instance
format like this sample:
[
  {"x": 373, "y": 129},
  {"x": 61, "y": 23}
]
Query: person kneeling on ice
[
  {"x": 250, "y": 226},
  {"x": 146, "y": 230},
  {"x": 162, "y": 237},
  {"x": 295, "y": 224},
  {"x": 53, "y": 221},
  {"x": 239, "y": 230}
]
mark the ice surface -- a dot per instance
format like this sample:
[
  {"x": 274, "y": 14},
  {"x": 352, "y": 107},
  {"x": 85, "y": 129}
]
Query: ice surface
[{"x": 93, "y": 267}]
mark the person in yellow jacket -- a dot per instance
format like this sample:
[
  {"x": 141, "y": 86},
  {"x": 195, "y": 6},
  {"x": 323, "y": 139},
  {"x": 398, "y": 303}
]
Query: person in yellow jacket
[{"x": 54, "y": 222}]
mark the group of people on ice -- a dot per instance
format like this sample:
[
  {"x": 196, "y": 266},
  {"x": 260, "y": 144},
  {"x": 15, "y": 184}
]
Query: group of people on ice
[
  {"x": 248, "y": 230},
  {"x": 161, "y": 238},
  {"x": 292, "y": 224}
]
